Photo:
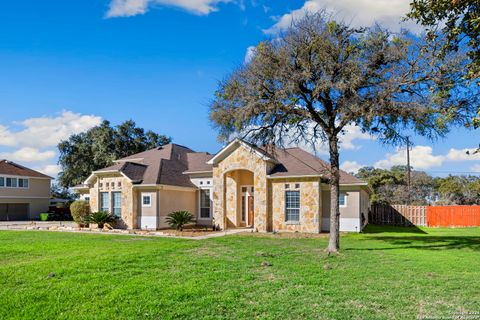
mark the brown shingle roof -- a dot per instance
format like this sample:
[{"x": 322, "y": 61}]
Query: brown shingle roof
[
  {"x": 167, "y": 165},
  {"x": 297, "y": 162},
  {"x": 197, "y": 162},
  {"x": 163, "y": 165},
  {"x": 14, "y": 169}
]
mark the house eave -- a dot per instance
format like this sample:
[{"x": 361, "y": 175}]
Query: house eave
[{"x": 198, "y": 172}]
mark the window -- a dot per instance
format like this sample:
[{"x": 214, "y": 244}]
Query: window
[
  {"x": 244, "y": 209},
  {"x": 146, "y": 200},
  {"x": 287, "y": 186},
  {"x": 12, "y": 182},
  {"x": 297, "y": 185},
  {"x": 87, "y": 198},
  {"x": 23, "y": 183},
  {"x": 2, "y": 182},
  {"x": 117, "y": 204},
  {"x": 292, "y": 206},
  {"x": 205, "y": 203},
  {"x": 343, "y": 199},
  {"x": 119, "y": 184},
  {"x": 104, "y": 202}
]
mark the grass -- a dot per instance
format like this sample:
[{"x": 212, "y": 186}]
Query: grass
[{"x": 386, "y": 273}]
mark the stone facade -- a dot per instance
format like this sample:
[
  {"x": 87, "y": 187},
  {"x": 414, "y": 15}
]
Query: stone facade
[
  {"x": 116, "y": 183},
  {"x": 225, "y": 197},
  {"x": 310, "y": 204}
]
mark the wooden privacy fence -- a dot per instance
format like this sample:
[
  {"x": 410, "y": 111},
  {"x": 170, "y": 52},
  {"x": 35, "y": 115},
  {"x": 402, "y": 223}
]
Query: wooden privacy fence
[
  {"x": 453, "y": 216},
  {"x": 398, "y": 215},
  {"x": 431, "y": 216}
]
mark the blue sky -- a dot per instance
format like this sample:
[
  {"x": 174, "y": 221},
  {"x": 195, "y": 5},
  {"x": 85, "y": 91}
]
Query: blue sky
[{"x": 65, "y": 65}]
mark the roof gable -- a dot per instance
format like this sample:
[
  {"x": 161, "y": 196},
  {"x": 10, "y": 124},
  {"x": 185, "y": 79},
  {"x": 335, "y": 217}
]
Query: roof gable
[{"x": 234, "y": 145}]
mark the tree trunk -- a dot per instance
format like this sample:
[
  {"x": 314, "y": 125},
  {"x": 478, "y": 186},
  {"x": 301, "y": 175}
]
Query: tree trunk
[{"x": 334, "y": 241}]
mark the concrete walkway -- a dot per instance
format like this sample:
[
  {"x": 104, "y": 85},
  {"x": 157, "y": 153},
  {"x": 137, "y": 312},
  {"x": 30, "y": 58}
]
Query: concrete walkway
[{"x": 68, "y": 226}]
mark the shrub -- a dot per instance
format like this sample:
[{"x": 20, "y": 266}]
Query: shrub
[
  {"x": 100, "y": 218},
  {"x": 80, "y": 210},
  {"x": 179, "y": 219}
]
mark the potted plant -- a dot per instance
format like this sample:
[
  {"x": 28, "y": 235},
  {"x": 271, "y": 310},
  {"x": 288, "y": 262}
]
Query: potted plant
[
  {"x": 80, "y": 210},
  {"x": 100, "y": 218},
  {"x": 43, "y": 216},
  {"x": 179, "y": 219}
]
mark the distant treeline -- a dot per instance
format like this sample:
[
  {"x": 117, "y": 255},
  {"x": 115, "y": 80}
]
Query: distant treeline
[{"x": 390, "y": 186}]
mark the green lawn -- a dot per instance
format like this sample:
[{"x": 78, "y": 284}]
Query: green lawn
[{"x": 387, "y": 273}]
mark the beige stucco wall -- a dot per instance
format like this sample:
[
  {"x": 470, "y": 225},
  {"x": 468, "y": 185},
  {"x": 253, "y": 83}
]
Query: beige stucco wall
[
  {"x": 310, "y": 204},
  {"x": 353, "y": 203},
  {"x": 129, "y": 205},
  {"x": 176, "y": 200},
  {"x": 36, "y": 188},
  {"x": 225, "y": 187},
  {"x": 364, "y": 204},
  {"x": 35, "y": 205}
]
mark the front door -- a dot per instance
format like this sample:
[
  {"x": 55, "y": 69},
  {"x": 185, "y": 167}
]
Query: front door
[{"x": 248, "y": 200}]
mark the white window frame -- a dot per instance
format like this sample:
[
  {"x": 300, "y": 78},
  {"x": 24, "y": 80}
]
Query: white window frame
[
  {"x": 149, "y": 195},
  {"x": 11, "y": 179},
  {"x": 100, "y": 203},
  {"x": 17, "y": 179},
  {"x": 345, "y": 199},
  {"x": 299, "y": 207},
  {"x": 24, "y": 179},
  {"x": 113, "y": 203},
  {"x": 200, "y": 204}
]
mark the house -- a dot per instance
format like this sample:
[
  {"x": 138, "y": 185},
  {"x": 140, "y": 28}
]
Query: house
[
  {"x": 266, "y": 188},
  {"x": 24, "y": 193}
]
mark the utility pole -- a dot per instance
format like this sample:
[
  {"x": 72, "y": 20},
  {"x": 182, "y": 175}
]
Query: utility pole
[{"x": 409, "y": 173}]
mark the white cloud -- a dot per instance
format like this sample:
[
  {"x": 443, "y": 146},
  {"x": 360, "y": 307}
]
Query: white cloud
[
  {"x": 47, "y": 131},
  {"x": 127, "y": 8},
  {"x": 249, "y": 54},
  {"x": 358, "y": 13},
  {"x": 347, "y": 141},
  {"x": 422, "y": 157},
  {"x": 462, "y": 155},
  {"x": 351, "y": 166},
  {"x": 51, "y": 170},
  {"x": 351, "y": 134},
  {"x": 34, "y": 142},
  {"x": 28, "y": 154}
]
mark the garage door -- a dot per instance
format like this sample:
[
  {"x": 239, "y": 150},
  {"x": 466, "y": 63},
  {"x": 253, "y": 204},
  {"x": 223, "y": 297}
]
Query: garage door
[{"x": 13, "y": 211}]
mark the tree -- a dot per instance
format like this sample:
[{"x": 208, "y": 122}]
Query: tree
[
  {"x": 59, "y": 192},
  {"x": 460, "y": 22},
  {"x": 458, "y": 190},
  {"x": 98, "y": 147},
  {"x": 390, "y": 186},
  {"x": 321, "y": 75}
]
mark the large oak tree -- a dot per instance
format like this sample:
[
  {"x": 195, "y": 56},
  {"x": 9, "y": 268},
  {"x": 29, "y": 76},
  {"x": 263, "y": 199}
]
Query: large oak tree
[
  {"x": 319, "y": 76},
  {"x": 98, "y": 147}
]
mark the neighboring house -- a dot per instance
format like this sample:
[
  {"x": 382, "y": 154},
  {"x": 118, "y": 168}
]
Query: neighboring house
[
  {"x": 269, "y": 189},
  {"x": 24, "y": 193}
]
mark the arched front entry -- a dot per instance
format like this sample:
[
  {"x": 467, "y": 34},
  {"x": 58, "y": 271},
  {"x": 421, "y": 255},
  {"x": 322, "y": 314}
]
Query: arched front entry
[
  {"x": 239, "y": 198},
  {"x": 236, "y": 167}
]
